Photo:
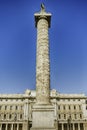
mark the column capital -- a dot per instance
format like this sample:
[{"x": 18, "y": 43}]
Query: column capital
[{"x": 42, "y": 15}]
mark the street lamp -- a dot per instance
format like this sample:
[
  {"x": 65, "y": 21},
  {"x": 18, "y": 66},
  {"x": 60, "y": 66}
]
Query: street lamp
[{"x": 69, "y": 123}]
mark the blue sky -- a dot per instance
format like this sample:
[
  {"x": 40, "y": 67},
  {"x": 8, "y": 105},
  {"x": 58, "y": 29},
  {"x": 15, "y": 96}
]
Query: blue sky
[{"x": 68, "y": 45}]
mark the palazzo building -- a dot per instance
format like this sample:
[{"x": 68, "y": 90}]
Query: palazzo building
[
  {"x": 16, "y": 110},
  {"x": 43, "y": 109}
]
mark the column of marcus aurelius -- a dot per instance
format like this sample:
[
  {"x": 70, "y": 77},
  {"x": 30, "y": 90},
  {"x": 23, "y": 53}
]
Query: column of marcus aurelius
[
  {"x": 43, "y": 112},
  {"x": 42, "y": 23}
]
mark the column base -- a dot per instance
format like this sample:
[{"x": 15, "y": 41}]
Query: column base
[{"x": 43, "y": 117}]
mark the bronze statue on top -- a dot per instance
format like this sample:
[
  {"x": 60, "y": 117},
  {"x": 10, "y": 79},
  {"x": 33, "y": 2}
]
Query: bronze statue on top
[{"x": 42, "y": 7}]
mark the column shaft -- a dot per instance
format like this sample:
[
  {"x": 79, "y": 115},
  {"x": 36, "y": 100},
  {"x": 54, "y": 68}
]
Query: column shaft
[
  {"x": 0, "y": 126},
  {"x": 73, "y": 126},
  {"x": 17, "y": 126},
  {"x": 78, "y": 126},
  {"x": 62, "y": 126},
  {"x": 42, "y": 65},
  {"x": 6, "y": 126},
  {"x": 12, "y": 127}
]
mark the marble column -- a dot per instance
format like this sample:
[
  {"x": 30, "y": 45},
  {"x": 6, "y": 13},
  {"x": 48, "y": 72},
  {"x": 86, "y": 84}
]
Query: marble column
[
  {"x": 0, "y": 126},
  {"x": 62, "y": 126},
  {"x": 6, "y": 126},
  {"x": 42, "y": 23},
  {"x": 78, "y": 126},
  {"x": 12, "y": 127},
  {"x": 84, "y": 126},
  {"x": 17, "y": 126},
  {"x": 73, "y": 126}
]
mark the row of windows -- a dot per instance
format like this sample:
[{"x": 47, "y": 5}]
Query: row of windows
[
  {"x": 73, "y": 116},
  {"x": 11, "y": 116},
  {"x": 11, "y": 99},
  {"x": 11, "y": 107},
  {"x": 69, "y": 107},
  {"x": 69, "y": 99},
  {"x": 15, "y": 126},
  {"x": 58, "y": 100},
  {"x": 71, "y": 126}
]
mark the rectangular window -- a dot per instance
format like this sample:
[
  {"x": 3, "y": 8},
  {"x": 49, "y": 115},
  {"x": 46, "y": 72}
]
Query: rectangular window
[
  {"x": 59, "y": 116},
  {"x": 79, "y": 107},
  {"x": 10, "y": 116},
  {"x": 75, "y": 116},
  {"x": 74, "y": 107},
  {"x": 64, "y": 107},
  {"x": 64, "y": 116},
  {"x": 10, "y": 107},
  {"x": 4, "y": 116},
  {"x": 80, "y": 116},
  {"x": 20, "y": 116},
  {"x": 69, "y": 107},
  {"x": 16, "y": 107},
  {"x": 0, "y": 107},
  {"x": 5, "y": 107},
  {"x": 86, "y": 107},
  {"x": 21, "y": 107},
  {"x": 86, "y": 101},
  {"x": 59, "y": 107}
]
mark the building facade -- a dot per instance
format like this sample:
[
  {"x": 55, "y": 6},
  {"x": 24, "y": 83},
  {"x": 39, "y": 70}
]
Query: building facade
[
  {"x": 16, "y": 110},
  {"x": 43, "y": 109}
]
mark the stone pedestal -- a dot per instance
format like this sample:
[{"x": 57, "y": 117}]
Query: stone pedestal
[{"x": 43, "y": 117}]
